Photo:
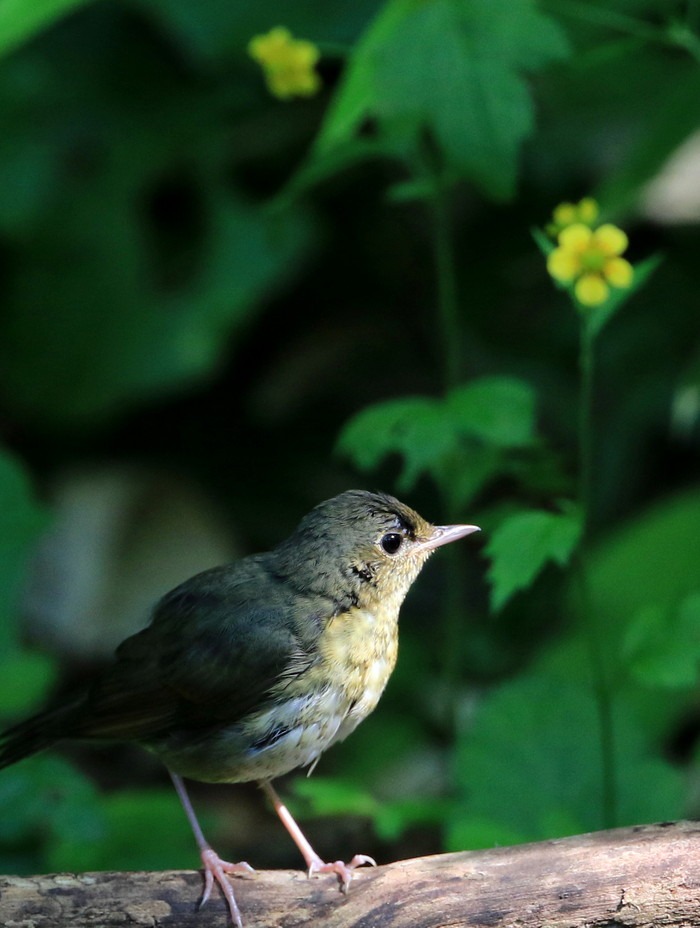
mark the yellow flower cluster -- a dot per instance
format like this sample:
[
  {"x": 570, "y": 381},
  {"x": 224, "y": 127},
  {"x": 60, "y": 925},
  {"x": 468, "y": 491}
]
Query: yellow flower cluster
[
  {"x": 590, "y": 259},
  {"x": 288, "y": 63},
  {"x": 566, "y": 214}
]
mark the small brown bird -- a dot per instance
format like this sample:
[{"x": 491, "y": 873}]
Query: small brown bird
[{"x": 251, "y": 670}]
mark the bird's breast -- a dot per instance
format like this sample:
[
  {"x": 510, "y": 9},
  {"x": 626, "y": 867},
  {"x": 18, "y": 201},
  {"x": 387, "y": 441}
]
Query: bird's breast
[
  {"x": 356, "y": 654},
  {"x": 358, "y": 651}
]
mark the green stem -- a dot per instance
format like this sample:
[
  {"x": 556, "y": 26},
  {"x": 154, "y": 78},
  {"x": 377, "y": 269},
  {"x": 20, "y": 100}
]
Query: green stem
[
  {"x": 453, "y": 610},
  {"x": 599, "y": 16},
  {"x": 585, "y": 424},
  {"x": 674, "y": 34},
  {"x": 601, "y": 679},
  {"x": 603, "y": 697},
  {"x": 448, "y": 308},
  {"x": 451, "y": 353}
]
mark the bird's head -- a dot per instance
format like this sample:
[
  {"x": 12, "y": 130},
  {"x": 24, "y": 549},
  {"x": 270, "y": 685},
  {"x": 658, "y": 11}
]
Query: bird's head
[{"x": 363, "y": 546}]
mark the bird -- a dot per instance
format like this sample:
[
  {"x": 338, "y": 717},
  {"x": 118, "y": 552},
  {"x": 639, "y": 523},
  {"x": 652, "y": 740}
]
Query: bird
[{"x": 250, "y": 670}]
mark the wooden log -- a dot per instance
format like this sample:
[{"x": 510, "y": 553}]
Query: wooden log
[{"x": 648, "y": 875}]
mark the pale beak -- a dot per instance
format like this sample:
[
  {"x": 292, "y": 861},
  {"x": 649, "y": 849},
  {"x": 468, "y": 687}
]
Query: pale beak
[{"x": 444, "y": 534}]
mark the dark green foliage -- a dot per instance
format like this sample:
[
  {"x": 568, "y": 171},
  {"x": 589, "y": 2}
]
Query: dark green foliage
[{"x": 199, "y": 278}]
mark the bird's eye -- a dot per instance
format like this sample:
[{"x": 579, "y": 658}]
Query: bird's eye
[{"x": 391, "y": 542}]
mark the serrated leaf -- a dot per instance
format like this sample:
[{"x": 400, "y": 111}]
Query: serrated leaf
[
  {"x": 466, "y": 80},
  {"x": 523, "y": 544},
  {"x": 418, "y": 428},
  {"x": 480, "y": 420}
]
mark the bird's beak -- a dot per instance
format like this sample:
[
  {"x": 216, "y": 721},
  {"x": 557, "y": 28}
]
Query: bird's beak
[{"x": 444, "y": 534}]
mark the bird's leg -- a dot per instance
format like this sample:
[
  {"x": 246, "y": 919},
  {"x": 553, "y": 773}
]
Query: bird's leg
[
  {"x": 215, "y": 869},
  {"x": 313, "y": 861}
]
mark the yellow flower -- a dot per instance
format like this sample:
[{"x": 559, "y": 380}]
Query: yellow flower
[
  {"x": 590, "y": 260},
  {"x": 566, "y": 214},
  {"x": 288, "y": 63}
]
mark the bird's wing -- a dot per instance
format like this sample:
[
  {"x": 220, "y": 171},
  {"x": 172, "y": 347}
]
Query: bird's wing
[{"x": 216, "y": 647}]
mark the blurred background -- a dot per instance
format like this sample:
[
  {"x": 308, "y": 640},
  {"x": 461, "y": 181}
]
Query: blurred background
[{"x": 202, "y": 284}]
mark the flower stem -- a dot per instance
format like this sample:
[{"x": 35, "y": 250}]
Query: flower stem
[
  {"x": 443, "y": 251},
  {"x": 609, "y": 19},
  {"x": 601, "y": 680},
  {"x": 450, "y": 336},
  {"x": 585, "y": 424}
]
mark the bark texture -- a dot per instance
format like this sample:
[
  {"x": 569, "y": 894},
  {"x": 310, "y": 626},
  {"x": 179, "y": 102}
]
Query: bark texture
[{"x": 642, "y": 876}]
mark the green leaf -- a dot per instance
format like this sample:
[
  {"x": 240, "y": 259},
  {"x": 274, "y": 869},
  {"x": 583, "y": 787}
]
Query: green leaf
[
  {"x": 543, "y": 241},
  {"x": 466, "y": 81},
  {"x": 523, "y": 544},
  {"x": 458, "y": 440},
  {"x": 327, "y": 796},
  {"x": 662, "y": 647},
  {"x": 472, "y": 472},
  {"x": 20, "y": 20},
  {"x": 530, "y": 767},
  {"x": 653, "y": 558},
  {"x": 418, "y": 428},
  {"x": 466, "y": 831},
  {"x": 392, "y": 818},
  {"x": 498, "y": 410}
]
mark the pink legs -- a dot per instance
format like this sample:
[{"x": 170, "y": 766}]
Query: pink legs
[
  {"x": 313, "y": 861},
  {"x": 215, "y": 869}
]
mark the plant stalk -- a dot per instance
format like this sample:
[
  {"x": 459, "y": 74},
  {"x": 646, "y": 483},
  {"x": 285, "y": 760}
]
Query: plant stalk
[
  {"x": 448, "y": 307},
  {"x": 450, "y": 336},
  {"x": 601, "y": 678}
]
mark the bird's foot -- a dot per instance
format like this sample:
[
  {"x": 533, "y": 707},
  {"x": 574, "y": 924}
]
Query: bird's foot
[
  {"x": 342, "y": 870},
  {"x": 215, "y": 870}
]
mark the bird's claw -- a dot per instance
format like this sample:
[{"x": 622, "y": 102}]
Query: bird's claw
[
  {"x": 215, "y": 870},
  {"x": 342, "y": 870}
]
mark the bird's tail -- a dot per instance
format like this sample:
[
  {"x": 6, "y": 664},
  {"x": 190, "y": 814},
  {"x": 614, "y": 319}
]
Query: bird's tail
[{"x": 35, "y": 734}]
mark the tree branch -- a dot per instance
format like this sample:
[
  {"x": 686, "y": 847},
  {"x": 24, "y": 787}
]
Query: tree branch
[{"x": 648, "y": 875}]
